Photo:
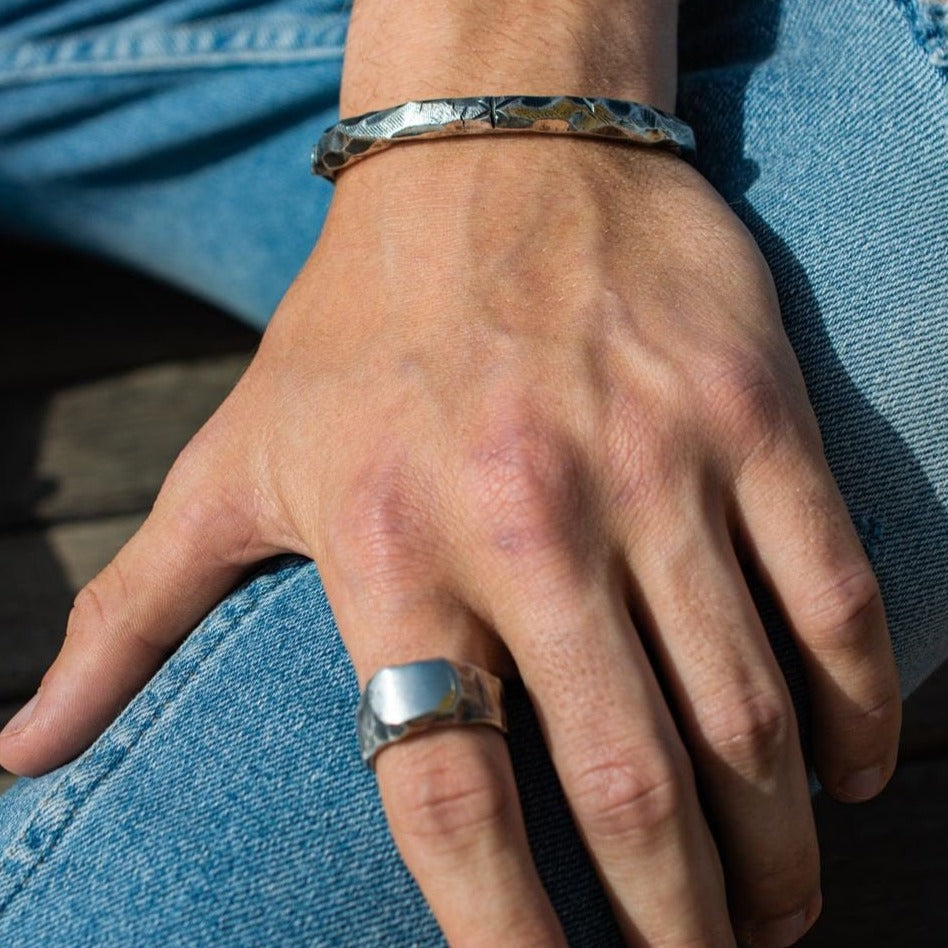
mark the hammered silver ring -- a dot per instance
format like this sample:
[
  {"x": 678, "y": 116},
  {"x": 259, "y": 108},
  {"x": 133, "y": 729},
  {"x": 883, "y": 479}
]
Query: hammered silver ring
[{"x": 404, "y": 700}]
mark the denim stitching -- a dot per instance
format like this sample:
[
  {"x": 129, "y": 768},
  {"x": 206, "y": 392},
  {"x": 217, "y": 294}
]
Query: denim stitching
[
  {"x": 36, "y": 843},
  {"x": 150, "y": 47}
]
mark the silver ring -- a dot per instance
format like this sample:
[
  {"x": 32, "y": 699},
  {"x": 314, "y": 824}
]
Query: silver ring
[{"x": 402, "y": 700}]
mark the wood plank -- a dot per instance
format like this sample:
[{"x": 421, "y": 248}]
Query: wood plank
[
  {"x": 7, "y": 710},
  {"x": 102, "y": 447},
  {"x": 925, "y": 721}
]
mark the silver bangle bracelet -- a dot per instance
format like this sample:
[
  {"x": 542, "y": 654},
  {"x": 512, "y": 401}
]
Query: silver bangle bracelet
[{"x": 353, "y": 139}]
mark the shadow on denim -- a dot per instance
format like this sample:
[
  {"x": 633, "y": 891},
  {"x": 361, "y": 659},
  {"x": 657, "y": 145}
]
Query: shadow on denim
[{"x": 890, "y": 497}]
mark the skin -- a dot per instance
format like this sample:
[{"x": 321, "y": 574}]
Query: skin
[{"x": 538, "y": 437}]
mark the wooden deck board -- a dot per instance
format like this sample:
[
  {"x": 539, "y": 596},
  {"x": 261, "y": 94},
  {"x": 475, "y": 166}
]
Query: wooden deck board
[
  {"x": 102, "y": 447},
  {"x": 925, "y": 722}
]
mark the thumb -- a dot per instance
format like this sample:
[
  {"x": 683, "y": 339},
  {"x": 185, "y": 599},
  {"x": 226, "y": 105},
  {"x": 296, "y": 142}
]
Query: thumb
[{"x": 187, "y": 555}]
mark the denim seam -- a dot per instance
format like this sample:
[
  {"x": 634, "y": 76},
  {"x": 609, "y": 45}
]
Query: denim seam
[
  {"x": 228, "y": 625},
  {"x": 149, "y": 47}
]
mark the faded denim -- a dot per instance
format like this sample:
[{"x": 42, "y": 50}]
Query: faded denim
[{"x": 227, "y": 805}]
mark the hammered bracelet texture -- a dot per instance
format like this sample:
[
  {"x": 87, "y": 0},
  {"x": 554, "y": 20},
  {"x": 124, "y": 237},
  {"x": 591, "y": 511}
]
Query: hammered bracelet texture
[{"x": 353, "y": 139}]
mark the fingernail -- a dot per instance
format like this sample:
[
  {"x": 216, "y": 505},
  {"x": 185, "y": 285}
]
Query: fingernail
[
  {"x": 20, "y": 720},
  {"x": 862, "y": 784},
  {"x": 781, "y": 932}
]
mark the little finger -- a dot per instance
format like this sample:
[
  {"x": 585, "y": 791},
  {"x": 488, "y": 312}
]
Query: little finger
[{"x": 800, "y": 533}]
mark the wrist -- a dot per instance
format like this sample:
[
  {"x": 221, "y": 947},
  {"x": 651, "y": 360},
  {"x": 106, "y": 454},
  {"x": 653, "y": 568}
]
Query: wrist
[
  {"x": 451, "y": 204},
  {"x": 418, "y": 50}
]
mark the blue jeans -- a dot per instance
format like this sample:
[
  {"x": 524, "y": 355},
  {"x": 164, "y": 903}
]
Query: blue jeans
[{"x": 228, "y": 804}]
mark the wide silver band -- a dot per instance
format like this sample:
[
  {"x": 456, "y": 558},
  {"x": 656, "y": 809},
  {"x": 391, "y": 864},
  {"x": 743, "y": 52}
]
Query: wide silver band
[
  {"x": 355, "y": 138},
  {"x": 402, "y": 700}
]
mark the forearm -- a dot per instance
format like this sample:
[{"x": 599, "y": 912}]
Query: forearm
[{"x": 417, "y": 49}]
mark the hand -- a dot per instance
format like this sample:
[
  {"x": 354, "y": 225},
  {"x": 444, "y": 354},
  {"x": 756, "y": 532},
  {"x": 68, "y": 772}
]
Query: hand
[{"x": 530, "y": 405}]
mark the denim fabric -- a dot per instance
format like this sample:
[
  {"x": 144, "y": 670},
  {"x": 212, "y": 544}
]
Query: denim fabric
[
  {"x": 227, "y": 805},
  {"x": 173, "y": 136},
  {"x": 834, "y": 152},
  {"x": 929, "y": 20}
]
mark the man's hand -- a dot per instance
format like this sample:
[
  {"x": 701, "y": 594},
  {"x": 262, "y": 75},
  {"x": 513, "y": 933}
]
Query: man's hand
[{"x": 530, "y": 404}]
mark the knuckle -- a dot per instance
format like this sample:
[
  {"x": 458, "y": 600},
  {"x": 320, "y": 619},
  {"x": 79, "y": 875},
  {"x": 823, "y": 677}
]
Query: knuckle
[
  {"x": 202, "y": 514},
  {"x": 447, "y": 802},
  {"x": 628, "y": 796},
  {"x": 746, "y": 402},
  {"x": 526, "y": 487},
  {"x": 210, "y": 521},
  {"x": 751, "y": 736},
  {"x": 100, "y": 609},
  {"x": 779, "y": 882},
  {"x": 88, "y": 612},
  {"x": 380, "y": 526},
  {"x": 197, "y": 462},
  {"x": 839, "y": 614},
  {"x": 878, "y": 720},
  {"x": 203, "y": 497},
  {"x": 885, "y": 711}
]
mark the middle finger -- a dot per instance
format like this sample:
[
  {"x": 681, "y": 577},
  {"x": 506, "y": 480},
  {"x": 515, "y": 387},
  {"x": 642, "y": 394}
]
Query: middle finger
[{"x": 615, "y": 747}]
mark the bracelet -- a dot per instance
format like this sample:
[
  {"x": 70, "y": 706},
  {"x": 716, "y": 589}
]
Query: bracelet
[{"x": 353, "y": 139}]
